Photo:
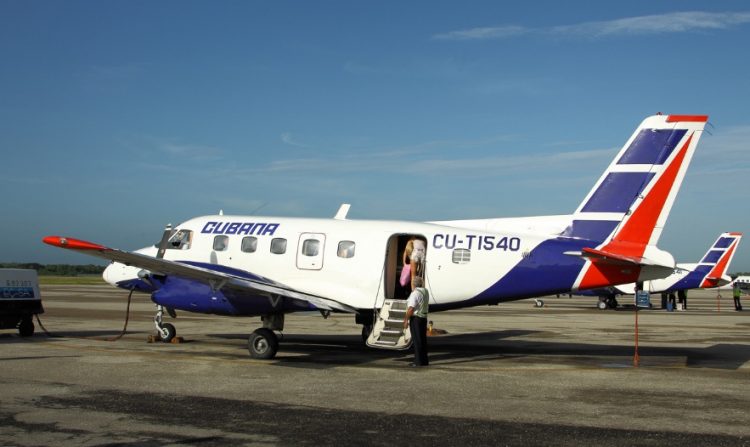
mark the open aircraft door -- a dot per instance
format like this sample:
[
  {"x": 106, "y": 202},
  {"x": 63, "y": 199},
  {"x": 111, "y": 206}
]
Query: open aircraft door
[
  {"x": 388, "y": 323},
  {"x": 310, "y": 251}
]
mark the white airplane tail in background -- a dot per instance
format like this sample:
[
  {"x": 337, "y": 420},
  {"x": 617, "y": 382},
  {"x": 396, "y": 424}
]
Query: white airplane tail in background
[
  {"x": 711, "y": 271},
  {"x": 629, "y": 205}
]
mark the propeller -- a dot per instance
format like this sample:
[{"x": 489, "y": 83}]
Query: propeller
[
  {"x": 168, "y": 232},
  {"x": 163, "y": 244}
]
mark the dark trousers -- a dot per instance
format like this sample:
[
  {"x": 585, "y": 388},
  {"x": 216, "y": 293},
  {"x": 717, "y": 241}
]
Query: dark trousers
[
  {"x": 737, "y": 304},
  {"x": 418, "y": 328}
]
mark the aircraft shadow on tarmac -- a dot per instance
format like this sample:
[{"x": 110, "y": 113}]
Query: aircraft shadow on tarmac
[
  {"x": 322, "y": 351},
  {"x": 325, "y": 351}
]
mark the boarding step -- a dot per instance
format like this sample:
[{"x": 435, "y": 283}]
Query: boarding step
[{"x": 388, "y": 329}]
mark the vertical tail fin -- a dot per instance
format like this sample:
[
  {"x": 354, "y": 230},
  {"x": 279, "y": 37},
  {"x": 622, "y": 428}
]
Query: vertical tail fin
[
  {"x": 632, "y": 199},
  {"x": 711, "y": 270},
  {"x": 718, "y": 258},
  {"x": 627, "y": 208}
]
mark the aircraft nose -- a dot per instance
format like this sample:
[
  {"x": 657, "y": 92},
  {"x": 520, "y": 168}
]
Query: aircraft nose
[{"x": 108, "y": 274}]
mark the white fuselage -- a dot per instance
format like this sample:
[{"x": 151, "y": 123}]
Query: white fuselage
[{"x": 461, "y": 263}]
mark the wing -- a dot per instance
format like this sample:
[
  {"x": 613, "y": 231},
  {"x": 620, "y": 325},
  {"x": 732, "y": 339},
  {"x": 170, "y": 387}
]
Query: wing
[{"x": 226, "y": 277}]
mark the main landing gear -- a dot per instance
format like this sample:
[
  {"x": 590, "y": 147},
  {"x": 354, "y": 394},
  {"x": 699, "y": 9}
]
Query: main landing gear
[
  {"x": 607, "y": 302},
  {"x": 263, "y": 342}
]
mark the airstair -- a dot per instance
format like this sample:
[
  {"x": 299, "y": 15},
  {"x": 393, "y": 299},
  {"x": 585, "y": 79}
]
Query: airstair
[{"x": 388, "y": 330}]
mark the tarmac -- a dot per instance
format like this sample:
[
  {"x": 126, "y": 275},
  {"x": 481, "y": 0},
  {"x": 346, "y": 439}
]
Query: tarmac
[{"x": 511, "y": 374}]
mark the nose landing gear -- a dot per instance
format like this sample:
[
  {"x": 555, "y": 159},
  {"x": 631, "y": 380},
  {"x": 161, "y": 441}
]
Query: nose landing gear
[{"x": 165, "y": 331}]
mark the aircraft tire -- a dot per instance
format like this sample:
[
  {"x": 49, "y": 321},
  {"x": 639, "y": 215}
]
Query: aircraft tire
[
  {"x": 26, "y": 327},
  {"x": 263, "y": 344},
  {"x": 171, "y": 332},
  {"x": 602, "y": 305}
]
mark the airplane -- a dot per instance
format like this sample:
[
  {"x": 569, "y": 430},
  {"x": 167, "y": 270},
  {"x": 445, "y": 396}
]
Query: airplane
[
  {"x": 743, "y": 281},
  {"x": 709, "y": 273},
  {"x": 271, "y": 266}
]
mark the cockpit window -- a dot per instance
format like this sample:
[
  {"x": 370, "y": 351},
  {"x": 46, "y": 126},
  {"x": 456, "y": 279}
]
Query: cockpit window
[{"x": 180, "y": 240}]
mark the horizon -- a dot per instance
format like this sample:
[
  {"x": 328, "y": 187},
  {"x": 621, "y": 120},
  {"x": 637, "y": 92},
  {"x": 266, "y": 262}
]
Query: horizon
[{"x": 119, "y": 118}]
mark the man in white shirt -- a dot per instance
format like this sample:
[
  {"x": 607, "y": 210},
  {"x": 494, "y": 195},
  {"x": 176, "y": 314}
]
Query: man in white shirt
[{"x": 416, "y": 321}]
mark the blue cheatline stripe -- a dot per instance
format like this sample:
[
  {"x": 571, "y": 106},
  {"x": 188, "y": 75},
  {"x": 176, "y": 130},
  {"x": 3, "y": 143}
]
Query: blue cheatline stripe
[
  {"x": 693, "y": 280},
  {"x": 652, "y": 147},
  {"x": 594, "y": 230},
  {"x": 712, "y": 257},
  {"x": 724, "y": 242},
  {"x": 617, "y": 192},
  {"x": 546, "y": 270}
]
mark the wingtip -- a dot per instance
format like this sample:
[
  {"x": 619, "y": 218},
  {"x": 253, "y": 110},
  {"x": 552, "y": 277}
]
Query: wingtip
[{"x": 72, "y": 244}]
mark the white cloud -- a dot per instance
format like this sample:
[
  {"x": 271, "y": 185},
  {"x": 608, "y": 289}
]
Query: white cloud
[
  {"x": 485, "y": 33},
  {"x": 287, "y": 138},
  {"x": 674, "y": 22},
  {"x": 413, "y": 163}
]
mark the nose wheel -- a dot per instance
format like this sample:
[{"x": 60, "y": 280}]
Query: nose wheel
[{"x": 165, "y": 331}]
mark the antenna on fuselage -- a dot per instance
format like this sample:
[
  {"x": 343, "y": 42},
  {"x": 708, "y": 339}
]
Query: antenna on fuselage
[{"x": 342, "y": 212}]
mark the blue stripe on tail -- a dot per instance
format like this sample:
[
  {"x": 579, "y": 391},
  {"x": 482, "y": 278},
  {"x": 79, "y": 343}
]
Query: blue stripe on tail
[
  {"x": 652, "y": 147},
  {"x": 617, "y": 192}
]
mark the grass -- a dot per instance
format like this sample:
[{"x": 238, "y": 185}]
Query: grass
[{"x": 88, "y": 280}]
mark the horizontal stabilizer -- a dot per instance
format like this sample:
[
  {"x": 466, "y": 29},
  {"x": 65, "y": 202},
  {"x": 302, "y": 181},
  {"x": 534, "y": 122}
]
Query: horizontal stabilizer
[{"x": 608, "y": 257}]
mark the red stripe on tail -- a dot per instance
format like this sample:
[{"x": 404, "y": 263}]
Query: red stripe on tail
[
  {"x": 719, "y": 268},
  {"x": 632, "y": 238}
]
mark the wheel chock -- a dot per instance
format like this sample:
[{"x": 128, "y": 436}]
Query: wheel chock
[
  {"x": 433, "y": 331},
  {"x": 156, "y": 339}
]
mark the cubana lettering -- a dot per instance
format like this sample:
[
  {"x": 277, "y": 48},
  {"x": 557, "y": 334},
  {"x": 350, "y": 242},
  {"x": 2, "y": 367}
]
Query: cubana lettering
[
  {"x": 475, "y": 242},
  {"x": 255, "y": 228}
]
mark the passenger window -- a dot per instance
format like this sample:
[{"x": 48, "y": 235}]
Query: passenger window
[
  {"x": 346, "y": 249},
  {"x": 220, "y": 243},
  {"x": 278, "y": 246},
  {"x": 249, "y": 244},
  {"x": 180, "y": 240},
  {"x": 310, "y": 247},
  {"x": 461, "y": 256}
]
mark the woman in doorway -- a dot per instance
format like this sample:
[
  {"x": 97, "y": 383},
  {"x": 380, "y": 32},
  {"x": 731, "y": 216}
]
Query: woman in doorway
[{"x": 414, "y": 256}]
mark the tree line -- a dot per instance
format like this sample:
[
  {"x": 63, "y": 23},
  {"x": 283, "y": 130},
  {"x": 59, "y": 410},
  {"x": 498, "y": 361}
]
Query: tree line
[{"x": 57, "y": 269}]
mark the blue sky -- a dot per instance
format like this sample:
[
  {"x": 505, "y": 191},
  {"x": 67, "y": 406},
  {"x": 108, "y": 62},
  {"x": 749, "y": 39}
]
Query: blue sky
[{"x": 119, "y": 117}]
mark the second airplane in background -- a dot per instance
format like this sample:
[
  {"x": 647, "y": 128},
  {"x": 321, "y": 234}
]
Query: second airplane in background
[{"x": 710, "y": 272}]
